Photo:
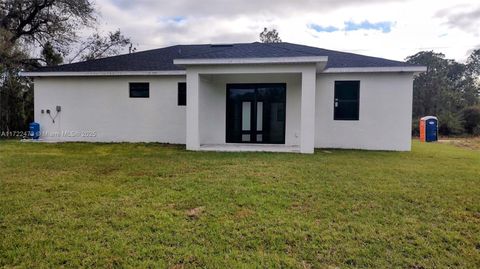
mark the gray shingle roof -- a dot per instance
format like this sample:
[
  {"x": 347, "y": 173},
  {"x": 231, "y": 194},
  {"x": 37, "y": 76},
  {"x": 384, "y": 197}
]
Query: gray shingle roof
[{"x": 162, "y": 59}]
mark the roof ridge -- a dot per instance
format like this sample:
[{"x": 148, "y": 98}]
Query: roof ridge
[
  {"x": 270, "y": 44},
  {"x": 220, "y": 50},
  {"x": 256, "y": 42},
  {"x": 226, "y": 48}
]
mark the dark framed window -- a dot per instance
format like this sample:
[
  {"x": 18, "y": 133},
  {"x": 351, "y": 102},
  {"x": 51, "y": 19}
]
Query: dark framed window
[
  {"x": 139, "y": 90},
  {"x": 182, "y": 94},
  {"x": 347, "y": 100}
]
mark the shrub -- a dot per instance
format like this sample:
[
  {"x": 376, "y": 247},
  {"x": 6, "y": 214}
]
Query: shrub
[
  {"x": 450, "y": 124},
  {"x": 415, "y": 127},
  {"x": 471, "y": 119}
]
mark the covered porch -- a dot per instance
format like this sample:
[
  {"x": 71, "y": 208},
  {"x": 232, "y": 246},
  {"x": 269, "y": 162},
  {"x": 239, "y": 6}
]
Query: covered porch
[
  {"x": 245, "y": 147},
  {"x": 251, "y": 107}
]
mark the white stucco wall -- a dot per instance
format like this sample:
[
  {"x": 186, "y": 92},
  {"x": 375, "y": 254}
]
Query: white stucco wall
[
  {"x": 212, "y": 101},
  {"x": 102, "y": 105},
  {"x": 385, "y": 113}
]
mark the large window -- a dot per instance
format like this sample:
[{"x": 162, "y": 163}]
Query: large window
[
  {"x": 347, "y": 99},
  {"x": 139, "y": 90},
  {"x": 182, "y": 94}
]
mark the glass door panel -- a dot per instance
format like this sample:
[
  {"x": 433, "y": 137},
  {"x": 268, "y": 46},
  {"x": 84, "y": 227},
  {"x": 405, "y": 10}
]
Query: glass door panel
[
  {"x": 246, "y": 115},
  {"x": 259, "y": 116},
  {"x": 246, "y": 121}
]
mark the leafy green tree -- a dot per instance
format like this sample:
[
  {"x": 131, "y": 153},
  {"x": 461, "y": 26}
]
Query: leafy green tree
[
  {"x": 54, "y": 27},
  {"x": 473, "y": 71},
  {"x": 473, "y": 63},
  {"x": 50, "y": 55},
  {"x": 270, "y": 36},
  {"x": 15, "y": 94},
  {"x": 444, "y": 90},
  {"x": 471, "y": 116}
]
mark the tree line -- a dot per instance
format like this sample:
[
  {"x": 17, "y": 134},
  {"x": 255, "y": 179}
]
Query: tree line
[{"x": 449, "y": 90}]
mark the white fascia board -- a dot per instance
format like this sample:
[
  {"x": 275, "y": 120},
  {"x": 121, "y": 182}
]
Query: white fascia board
[
  {"x": 262, "y": 60},
  {"x": 413, "y": 69},
  {"x": 103, "y": 73}
]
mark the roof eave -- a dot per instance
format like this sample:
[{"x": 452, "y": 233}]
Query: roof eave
[
  {"x": 102, "y": 73},
  {"x": 331, "y": 70},
  {"x": 396, "y": 69}
]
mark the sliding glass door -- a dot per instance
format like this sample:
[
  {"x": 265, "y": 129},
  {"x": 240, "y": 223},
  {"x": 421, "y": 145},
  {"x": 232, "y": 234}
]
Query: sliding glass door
[{"x": 256, "y": 113}]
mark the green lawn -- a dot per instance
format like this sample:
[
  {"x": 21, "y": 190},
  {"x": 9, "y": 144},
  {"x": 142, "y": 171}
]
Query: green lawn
[{"x": 151, "y": 205}]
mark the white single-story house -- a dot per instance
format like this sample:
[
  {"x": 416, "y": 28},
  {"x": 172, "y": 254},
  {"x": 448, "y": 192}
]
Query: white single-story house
[{"x": 239, "y": 97}]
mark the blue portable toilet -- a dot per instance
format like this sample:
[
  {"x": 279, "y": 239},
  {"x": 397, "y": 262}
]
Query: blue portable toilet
[
  {"x": 34, "y": 130},
  {"x": 429, "y": 129}
]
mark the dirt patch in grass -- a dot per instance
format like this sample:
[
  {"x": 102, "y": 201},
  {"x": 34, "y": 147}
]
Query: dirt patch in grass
[
  {"x": 196, "y": 212},
  {"x": 244, "y": 213},
  {"x": 469, "y": 143}
]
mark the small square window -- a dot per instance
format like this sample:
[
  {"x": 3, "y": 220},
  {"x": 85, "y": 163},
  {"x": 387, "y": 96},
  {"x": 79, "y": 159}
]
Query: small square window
[
  {"x": 347, "y": 100},
  {"x": 182, "y": 94},
  {"x": 139, "y": 90}
]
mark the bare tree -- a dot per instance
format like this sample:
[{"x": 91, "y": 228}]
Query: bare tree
[
  {"x": 52, "y": 26},
  {"x": 45, "y": 20},
  {"x": 98, "y": 46}
]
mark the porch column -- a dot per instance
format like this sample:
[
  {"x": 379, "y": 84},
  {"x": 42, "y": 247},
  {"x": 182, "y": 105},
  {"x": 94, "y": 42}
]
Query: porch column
[
  {"x": 193, "y": 127},
  {"x": 307, "y": 121}
]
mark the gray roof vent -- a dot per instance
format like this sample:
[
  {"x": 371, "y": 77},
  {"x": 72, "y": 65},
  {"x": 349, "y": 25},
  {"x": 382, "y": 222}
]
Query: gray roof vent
[{"x": 221, "y": 45}]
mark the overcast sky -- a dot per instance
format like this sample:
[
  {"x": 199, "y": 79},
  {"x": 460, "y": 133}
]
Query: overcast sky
[{"x": 392, "y": 29}]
